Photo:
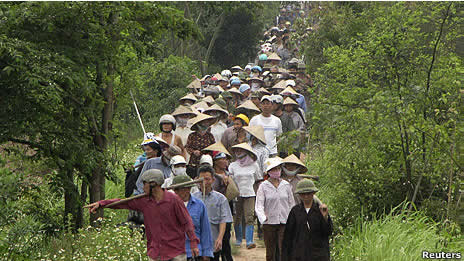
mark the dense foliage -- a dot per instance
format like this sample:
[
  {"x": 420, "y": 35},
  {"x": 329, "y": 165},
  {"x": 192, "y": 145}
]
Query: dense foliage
[
  {"x": 384, "y": 114},
  {"x": 386, "y": 123}
]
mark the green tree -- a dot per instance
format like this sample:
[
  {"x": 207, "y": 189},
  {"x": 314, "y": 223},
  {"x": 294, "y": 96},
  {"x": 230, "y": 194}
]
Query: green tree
[
  {"x": 65, "y": 68},
  {"x": 386, "y": 114}
]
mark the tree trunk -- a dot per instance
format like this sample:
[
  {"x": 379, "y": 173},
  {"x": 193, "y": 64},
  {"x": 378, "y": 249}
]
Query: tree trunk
[
  {"x": 106, "y": 83},
  {"x": 72, "y": 218},
  {"x": 213, "y": 39}
]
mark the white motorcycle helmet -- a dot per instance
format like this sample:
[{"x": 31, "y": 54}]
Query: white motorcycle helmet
[{"x": 167, "y": 118}]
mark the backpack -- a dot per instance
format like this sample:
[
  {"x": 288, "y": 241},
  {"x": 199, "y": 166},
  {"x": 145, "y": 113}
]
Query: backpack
[{"x": 131, "y": 178}]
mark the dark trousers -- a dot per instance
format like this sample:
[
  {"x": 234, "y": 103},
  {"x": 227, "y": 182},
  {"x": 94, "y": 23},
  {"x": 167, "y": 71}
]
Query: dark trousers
[
  {"x": 226, "y": 252},
  {"x": 192, "y": 171},
  {"x": 216, "y": 256},
  {"x": 260, "y": 229},
  {"x": 273, "y": 236}
]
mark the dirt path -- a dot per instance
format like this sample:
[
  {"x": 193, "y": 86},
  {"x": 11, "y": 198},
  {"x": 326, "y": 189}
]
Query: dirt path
[{"x": 244, "y": 254}]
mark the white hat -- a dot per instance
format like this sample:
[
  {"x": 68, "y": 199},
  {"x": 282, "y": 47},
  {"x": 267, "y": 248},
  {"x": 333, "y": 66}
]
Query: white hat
[
  {"x": 290, "y": 83},
  {"x": 206, "y": 159},
  {"x": 148, "y": 137},
  {"x": 178, "y": 159},
  {"x": 247, "y": 147},
  {"x": 272, "y": 163},
  {"x": 277, "y": 98},
  {"x": 266, "y": 97}
]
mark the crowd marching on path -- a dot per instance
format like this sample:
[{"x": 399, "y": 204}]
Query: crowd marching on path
[{"x": 219, "y": 160}]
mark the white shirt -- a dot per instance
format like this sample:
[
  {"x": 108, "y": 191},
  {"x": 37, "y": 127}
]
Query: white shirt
[
  {"x": 183, "y": 133},
  {"x": 274, "y": 204},
  {"x": 245, "y": 177},
  {"x": 263, "y": 154},
  {"x": 217, "y": 130},
  {"x": 272, "y": 128}
]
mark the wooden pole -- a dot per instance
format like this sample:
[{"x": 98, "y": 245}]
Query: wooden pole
[
  {"x": 185, "y": 183},
  {"x": 316, "y": 178},
  {"x": 144, "y": 194}
]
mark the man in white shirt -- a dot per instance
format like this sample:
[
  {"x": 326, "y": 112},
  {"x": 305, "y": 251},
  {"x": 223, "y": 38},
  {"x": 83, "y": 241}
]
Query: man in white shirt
[{"x": 271, "y": 124}]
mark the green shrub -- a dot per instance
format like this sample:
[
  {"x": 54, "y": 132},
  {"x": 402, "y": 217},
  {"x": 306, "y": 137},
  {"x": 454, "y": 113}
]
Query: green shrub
[
  {"x": 29, "y": 210},
  {"x": 108, "y": 242},
  {"x": 394, "y": 237}
]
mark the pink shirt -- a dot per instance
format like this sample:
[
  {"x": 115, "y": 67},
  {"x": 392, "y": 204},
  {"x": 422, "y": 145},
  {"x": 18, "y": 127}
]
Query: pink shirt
[
  {"x": 274, "y": 204},
  {"x": 166, "y": 223}
]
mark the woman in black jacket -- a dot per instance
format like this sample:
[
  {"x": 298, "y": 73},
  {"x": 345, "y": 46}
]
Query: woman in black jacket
[{"x": 308, "y": 228}]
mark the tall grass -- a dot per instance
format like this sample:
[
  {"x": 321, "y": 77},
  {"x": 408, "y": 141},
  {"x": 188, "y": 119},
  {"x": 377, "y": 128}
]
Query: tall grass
[{"x": 400, "y": 237}]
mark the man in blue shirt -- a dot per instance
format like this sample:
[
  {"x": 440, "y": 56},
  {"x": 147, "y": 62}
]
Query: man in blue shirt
[
  {"x": 219, "y": 213},
  {"x": 198, "y": 212},
  {"x": 300, "y": 99}
]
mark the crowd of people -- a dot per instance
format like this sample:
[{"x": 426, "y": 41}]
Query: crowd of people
[{"x": 228, "y": 133}]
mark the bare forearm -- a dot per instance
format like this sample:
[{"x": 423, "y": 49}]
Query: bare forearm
[{"x": 222, "y": 230}]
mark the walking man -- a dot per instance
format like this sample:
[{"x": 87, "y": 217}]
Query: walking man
[
  {"x": 217, "y": 206},
  {"x": 166, "y": 219}
]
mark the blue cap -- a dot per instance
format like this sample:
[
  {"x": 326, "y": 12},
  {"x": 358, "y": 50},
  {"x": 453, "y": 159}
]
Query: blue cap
[
  {"x": 263, "y": 57},
  {"x": 235, "y": 81},
  {"x": 256, "y": 67},
  {"x": 244, "y": 87}
]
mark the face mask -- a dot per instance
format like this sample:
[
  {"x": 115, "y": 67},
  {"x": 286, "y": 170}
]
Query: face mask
[
  {"x": 245, "y": 161},
  {"x": 290, "y": 173},
  {"x": 182, "y": 122},
  {"x": 255, "y": 85},
  {"x": 275, "y": 174},
  {"x": 180, "y": 171},
  {"x": 248, "y": 136}
]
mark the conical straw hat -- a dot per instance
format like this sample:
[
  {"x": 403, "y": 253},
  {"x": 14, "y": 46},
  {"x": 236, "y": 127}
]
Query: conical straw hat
[
  {"x": 218, "y": 76},
  {"x": 182, "y": 110},
  {"x": 263, "y": 90},
  {"x": 195, "y": 84},
  {"x": 289, "y": 100},
  {"x": 246, "y": 147},
  {"x": 201, "y": 104},
  {"x": 208, "y": 99},
  {"x": 249, "y": 105},
  {"x": 274, "y": 57},
  {"x": 189, "y": 96},
  {"x": 204, "y": 78},
  {"x": 289, "y": 89},
  {"x": 235, "y": 90},
  {"x": 294, "y": 159},
  {"x": 255, "y": 79},
  {"x": 216, "y": 107},
  {"x": 236, "y": 67},
  {"x": 199, "y": 118},
  {"x": 217, "y": 147},
  {"x": 279, "y": 85},
  {"x": 257, "y": 131},
  {"x": 161, "y": 142}
]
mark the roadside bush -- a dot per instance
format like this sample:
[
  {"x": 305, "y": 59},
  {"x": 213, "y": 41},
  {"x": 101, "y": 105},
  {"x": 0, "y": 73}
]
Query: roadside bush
[
  {"x": 108, "y": 242},
  {"x": 394, "y": 237},
  {"x": 29, "y": 211}
]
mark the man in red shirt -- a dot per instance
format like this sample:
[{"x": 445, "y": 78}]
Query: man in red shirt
[{"x": 166, "y": 219}]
